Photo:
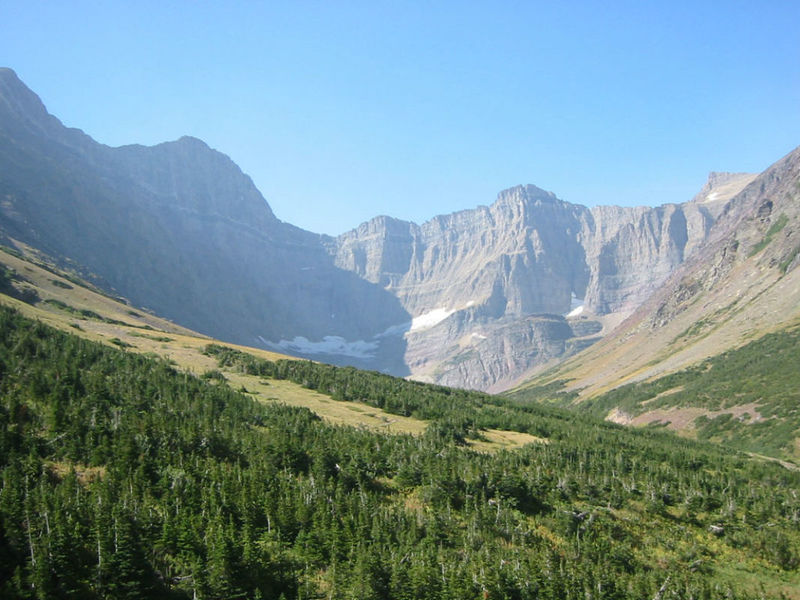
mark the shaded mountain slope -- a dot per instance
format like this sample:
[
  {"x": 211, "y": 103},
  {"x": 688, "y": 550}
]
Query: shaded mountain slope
[{"x": 177, "y": 228}]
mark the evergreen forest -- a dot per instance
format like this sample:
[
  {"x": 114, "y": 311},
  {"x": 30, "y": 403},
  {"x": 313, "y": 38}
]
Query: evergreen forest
[{"x": 123, "y": 477}]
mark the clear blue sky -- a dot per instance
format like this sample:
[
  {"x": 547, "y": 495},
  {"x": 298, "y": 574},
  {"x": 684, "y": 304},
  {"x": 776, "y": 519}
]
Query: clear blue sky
[{"x": 344, "y": 110}]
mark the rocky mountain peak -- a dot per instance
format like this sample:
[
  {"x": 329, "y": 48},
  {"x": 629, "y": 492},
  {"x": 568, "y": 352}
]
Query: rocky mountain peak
[
  {"x": 383, "y": 225},
  {"x": 524, "y": 201},
  {"x": 528, "y": 194},
  {"x": 21, "y": 110},
  {"x": 192, "y": 142},
  {"x": 188, "y": 174},
  {"x": 185, "y": 174},
  {"x": 719, "y": 188},
  {"x": 717, "y": 178},
  {"x": 17, "y": 99}
]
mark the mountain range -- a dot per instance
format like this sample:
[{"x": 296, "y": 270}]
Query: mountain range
[
  {"x": 742, "y": 284},
  {"x": 711, "y": 353},
  {"x": 482, "y": 298}
]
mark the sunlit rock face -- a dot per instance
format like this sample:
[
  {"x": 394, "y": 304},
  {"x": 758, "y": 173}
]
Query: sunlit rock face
[
  {"x": 477, "y": 298},
  {"x": 521, "y": 255},
  {"x": 486, "y": 272}
]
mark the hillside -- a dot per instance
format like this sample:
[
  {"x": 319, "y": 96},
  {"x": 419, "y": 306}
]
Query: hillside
[
  {"x": 737, "y": 301},
  {"x": 124, "y": 477},
  {"x": 39, "y": 290},
  {"x": 432, "y": 481},
  {"x": 179, "y": 229}
]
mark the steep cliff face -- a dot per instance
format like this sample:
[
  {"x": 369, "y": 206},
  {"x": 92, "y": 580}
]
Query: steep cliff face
[
  {"x": 497, "y": 353},
  {"x": 527, "y": 253},
  {"x": 473, "y": 280},
  {"x": 519, "y": 256},
  {"x": 743, "y": 283},
  {"x": 631, "y": 251},
  {"x": 752, "y": 250}
]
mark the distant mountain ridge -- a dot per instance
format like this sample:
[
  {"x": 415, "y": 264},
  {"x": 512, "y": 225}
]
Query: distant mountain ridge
[
  {"x": 477, "y": 299},
  {"x": 489, "y": 272}
]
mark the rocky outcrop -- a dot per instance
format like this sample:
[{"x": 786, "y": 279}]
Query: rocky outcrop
[
  {"x": 497, "y": 353},
  {"x": 529, "y": 252},
  {"x": 631, "y": 251},
  {"x": 756, "y": 236},
  {"x": 743, "y": 282},
  {"x": 720, "y": 188}
]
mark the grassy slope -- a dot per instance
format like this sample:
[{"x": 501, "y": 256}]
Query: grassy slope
[
  {"x": 663, "y": 365},
  {"x": 747, "y": 397},
  {"x": 62, "y": 299},
  {"x": 747, "y": 421},
  {"x": 742, "y": 284}
]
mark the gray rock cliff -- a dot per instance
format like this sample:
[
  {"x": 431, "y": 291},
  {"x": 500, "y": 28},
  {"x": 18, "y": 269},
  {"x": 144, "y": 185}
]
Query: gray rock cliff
[
  {"x": 473, "y": 280},
  {"x": 519, "y": 256},
  {"x": 477, "y": 298}
]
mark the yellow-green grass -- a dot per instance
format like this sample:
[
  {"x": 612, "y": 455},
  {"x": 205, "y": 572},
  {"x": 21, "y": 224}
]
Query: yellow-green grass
[
  {"x": 764, "y": 580},
  {"x": 143, "y": 331},
  {"x": 139, "y": 331},
  {"x": 738, "y": 567},
  {"x": 497, "y": 439},
  {"x": 334, "y": 411}
]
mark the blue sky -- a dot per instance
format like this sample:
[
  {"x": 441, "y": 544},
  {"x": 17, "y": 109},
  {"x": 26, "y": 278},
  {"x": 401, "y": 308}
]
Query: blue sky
[{"x": 341, "y": 111}]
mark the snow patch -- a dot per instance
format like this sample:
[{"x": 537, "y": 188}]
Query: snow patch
[
  {"x": 712, "y": 196},
  {"x": 478, "y": 335},
  {"x": 575, "y": 311},
  {"x": 336, "y": 345},
  {"x": 575, "y": 306},
  {"x": 330, "y": 344},
  {"x": 430, "y": 318},
  {"x": 423, "y": 321}
]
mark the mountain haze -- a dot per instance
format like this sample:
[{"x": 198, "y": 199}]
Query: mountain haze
[
  {"x": 479, "y": 298},
  {"x": 177, "y": 228}
]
